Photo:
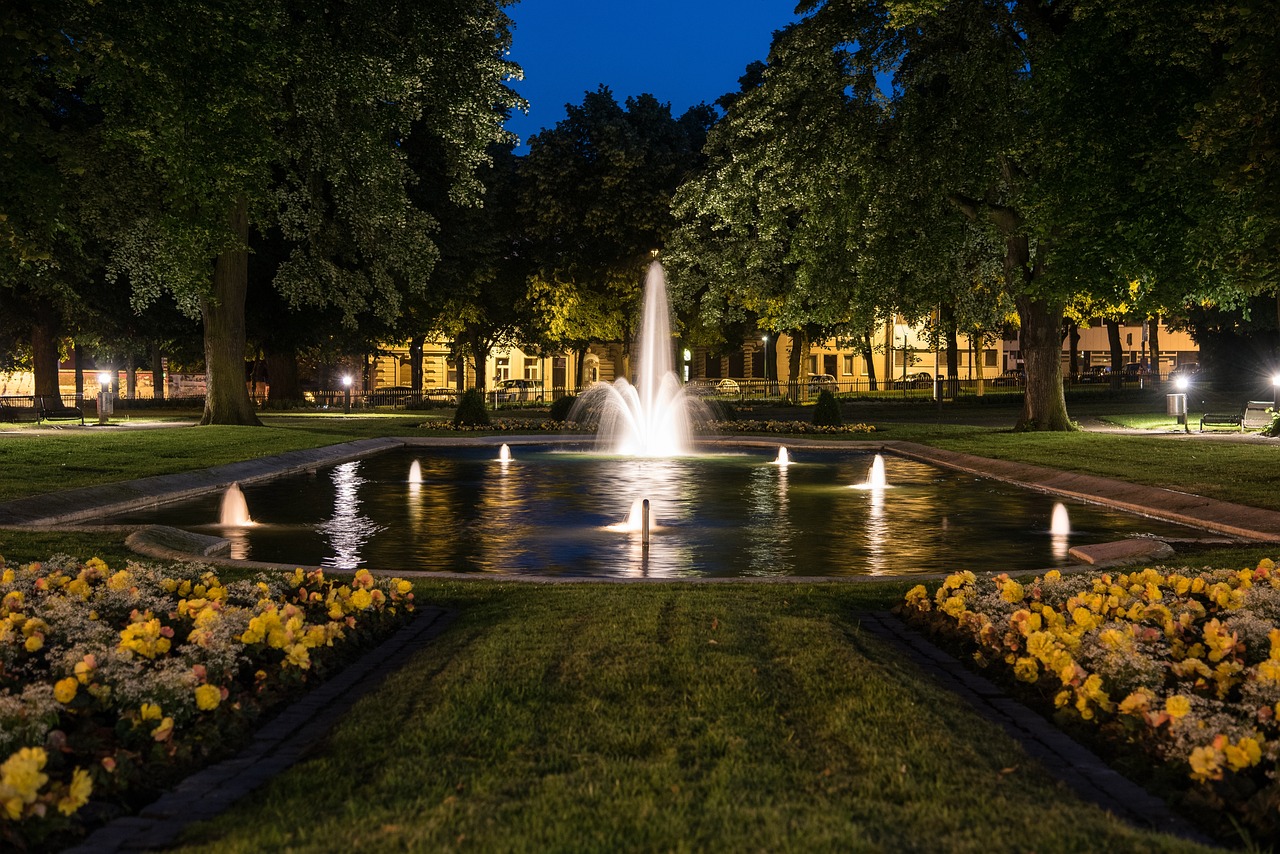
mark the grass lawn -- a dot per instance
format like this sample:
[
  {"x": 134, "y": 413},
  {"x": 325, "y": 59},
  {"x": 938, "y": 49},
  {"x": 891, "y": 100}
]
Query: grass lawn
[{"x": 683, "y": 718}]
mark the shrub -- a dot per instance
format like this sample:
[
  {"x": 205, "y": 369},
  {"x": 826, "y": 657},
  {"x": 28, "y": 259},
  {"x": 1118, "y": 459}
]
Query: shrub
[
  {"x": 562, "y": 406},
  {"x": 1273, "y": 429},
  {"x": 827, "y": 411},
  {"x": 471, "y": 410}
]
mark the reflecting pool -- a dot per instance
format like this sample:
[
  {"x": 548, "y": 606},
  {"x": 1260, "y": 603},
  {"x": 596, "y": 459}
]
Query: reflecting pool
[{"x": 549, "y": 511}]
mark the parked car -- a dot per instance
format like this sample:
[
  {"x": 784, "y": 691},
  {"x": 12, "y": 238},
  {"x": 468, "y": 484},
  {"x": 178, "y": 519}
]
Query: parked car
[
  {"x": 1096, "y": 374},
  {"x": 1189, "y": 370},
  {"x": 395, "y": 395},
  {"x": 517, "y": 391},
  {"x": 1013, "y": 376},
  {"x": 819, "y": 383},
  {"x": 1136, "y": 371},
  {"x": 726, "y": 386},
  {"x": 924, "y": 379}
]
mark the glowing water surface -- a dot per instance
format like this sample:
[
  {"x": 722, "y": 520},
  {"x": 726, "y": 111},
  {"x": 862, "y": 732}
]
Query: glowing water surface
[{"x": 721, "y": 515}]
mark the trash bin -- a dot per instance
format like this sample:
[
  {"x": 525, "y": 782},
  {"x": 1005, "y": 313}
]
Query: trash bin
[{"x": 1177, "y": 405}]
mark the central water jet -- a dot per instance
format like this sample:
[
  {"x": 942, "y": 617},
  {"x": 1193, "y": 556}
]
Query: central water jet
[{"x": 654, "y": 417}]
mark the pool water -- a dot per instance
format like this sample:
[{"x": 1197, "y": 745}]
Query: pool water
[{"x": 549, "y": 512}]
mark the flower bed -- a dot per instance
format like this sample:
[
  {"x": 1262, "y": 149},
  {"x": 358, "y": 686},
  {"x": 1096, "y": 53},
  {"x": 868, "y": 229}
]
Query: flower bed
[
  {"x": 1178, "y": 667},
  {"x": 524, "y": 425},
  {"x": 758, "y": 426},
  {"x": 114, "y": 684}
]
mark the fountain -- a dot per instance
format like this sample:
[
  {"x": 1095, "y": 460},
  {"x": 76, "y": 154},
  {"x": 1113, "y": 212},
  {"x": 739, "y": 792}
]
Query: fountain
[
  {"x": 504, "y": 453},
  {"x": 235, "y": 510},
  {"x": 1060, "y": 526},
  {"x": 876, "y": 479},
  {"x": 783, "y": 458},
  {"x": 635, "y": 521},
  {"x": 653, "y": 417},
  {"x": 415, "y": 472}
]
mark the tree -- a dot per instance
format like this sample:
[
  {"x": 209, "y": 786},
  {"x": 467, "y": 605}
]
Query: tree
[
  {"x": 279, "y": 113},
  {"x": 596, "y": 200}
]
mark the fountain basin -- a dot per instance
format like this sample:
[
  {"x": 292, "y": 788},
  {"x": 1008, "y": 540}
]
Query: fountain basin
[{"x": 721, "y": 515}]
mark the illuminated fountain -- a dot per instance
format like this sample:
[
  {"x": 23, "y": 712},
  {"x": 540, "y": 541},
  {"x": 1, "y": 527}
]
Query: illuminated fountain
[
  {"x": 1060, "y": 531},
  {"x": 415, "y": 472},
  {"x": 234, "y": 512},
  {"x": 783, "y": 458},
  {"x": 635, "y": 521},
  {"x": 875, "y": 479},
  {"x": 504, "y": 453},
  {"x": 652, "y": 418}
]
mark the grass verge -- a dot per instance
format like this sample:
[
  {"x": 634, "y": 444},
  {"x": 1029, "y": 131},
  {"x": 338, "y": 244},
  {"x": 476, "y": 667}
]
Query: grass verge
[{"x": 602, "y": 717}]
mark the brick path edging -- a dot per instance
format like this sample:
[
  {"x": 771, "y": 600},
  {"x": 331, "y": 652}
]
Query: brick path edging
[
  {"x": 1064, "y": 757},
  {"x": 276, "y": 746}
]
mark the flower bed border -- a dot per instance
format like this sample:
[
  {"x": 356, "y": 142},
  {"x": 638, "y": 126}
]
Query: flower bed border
[{"x": 283, "y": 741}]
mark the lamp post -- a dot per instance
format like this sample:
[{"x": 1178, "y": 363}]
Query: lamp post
[
  {"x": 1275, "y": 391},
  {"x": 346, "y": 394},
  {"x": 104, "y": 397},
  {"x": 765, "y": 338}
]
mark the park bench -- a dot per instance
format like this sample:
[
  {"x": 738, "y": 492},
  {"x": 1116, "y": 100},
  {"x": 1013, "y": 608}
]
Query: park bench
[
  {"x": 50, "y": 408},
  {"x": 1222, "y": 419},
  {"x": 18, "y": 409},
  {"x": 1257, "y": 415}
]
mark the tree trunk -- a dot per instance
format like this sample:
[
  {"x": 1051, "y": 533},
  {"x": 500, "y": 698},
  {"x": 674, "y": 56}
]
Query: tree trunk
[
  {"x": 795, "y": 360},
  {"x": 44, "y": 349},
  {"x": 1073, "y": 344},
  {"x": 480, "y": 355},
  {"x": 1043, "y": 406},
  {"x": 1117, "y": 351},
  {"x": 284, "y": 389},
  {"x": 157, "y": 372},
  {"x": 77, "y": 356},
  {"x": 579, "y": 367},
  {"x": 131, "y": 378},
  {"x": 868, "y": 360},
  {"x": 1154, "y": 346},
  {"x": 226, "y": 397},
  {"x": 953, "y": 351},
  {"x": 416, "y": 345}
]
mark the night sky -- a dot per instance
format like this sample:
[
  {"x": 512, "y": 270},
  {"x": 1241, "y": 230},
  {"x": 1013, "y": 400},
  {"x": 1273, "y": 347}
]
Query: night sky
[{"x": 681, "y": 51}]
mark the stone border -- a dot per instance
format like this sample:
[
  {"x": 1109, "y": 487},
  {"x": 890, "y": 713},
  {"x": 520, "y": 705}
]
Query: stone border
[
  {"x": 284, "y": 740},
  {"x": 1063, "y": 757}
]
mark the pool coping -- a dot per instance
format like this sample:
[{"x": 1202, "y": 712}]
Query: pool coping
[{"x": 76, "y": 507}]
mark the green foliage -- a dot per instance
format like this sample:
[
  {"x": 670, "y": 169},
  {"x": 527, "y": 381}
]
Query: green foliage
[
  {"x": 471, "y": 410},
  {"x": 562, "y": 406},
  {"x": 826, "y": 412},
  {"x": 1272, "y": 429}
]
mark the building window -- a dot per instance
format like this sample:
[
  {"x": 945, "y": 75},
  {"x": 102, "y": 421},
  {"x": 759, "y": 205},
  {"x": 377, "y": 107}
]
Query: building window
[
  {"x": 502, "y": 369},
  {"x": 988, "y": 358},
  {"x": 451, "y": 371},
  {"x": 848, "y": 365},
  {"x": 531, "y": 368},
  {"x": 813, "y": 364}
]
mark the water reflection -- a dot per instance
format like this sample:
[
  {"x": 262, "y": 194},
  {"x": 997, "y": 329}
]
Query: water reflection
[
  {"x": 731, "y": 515},
  {"x": 347, "y": 529}
]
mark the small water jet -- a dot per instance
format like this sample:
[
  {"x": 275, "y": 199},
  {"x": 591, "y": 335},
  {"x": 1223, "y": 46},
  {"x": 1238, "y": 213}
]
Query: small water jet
[
  {"x": 654, "y": 417},
  {"x": 234, "y": 512},
  {"x": 875, "y": 478},
  {"x": 504, "y": 453},
  {"x": 783, "y": 458},
  {"x": 1060, "y": 526},
  {"x": 635, "y": 522},
  {"x": 415, "y": 472}
]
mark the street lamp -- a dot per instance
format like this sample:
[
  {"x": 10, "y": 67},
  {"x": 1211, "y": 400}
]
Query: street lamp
[
  {"x": 1275, "y": 390},
  {"x": 765, "y": 339},
  {"x": 104, "y": 396},
  {"x": 346, "y": 394}
]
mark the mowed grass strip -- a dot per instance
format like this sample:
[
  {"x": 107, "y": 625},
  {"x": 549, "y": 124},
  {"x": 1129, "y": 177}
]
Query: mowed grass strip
[{"x": 612, "y": 717}]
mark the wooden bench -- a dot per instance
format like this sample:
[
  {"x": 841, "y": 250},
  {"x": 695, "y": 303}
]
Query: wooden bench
[
  {"x": 1257, "y": 414},
  {"x": 50, "y": 408},
  {"x": 1222, "y": 419}
]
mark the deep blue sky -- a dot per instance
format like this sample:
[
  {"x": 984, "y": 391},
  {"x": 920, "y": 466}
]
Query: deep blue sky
[{"x": 681, "y": 51}]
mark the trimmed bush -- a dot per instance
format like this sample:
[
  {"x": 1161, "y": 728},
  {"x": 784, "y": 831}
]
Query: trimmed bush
[
  {"x": 826, "y": 413},
  {"x": 471, "y": 410},
  {"x": 562, "y": 406}
]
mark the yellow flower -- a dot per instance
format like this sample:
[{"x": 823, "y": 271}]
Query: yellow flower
[
  {"x": 150, "y": 712},
  {"x": 122, "y": 580},
  {"x": 1026, "y": 669},
  {"x": 1136, "y": 703},
  {"x": 77, "y": 792},
  {"x": 64, "y": 690},
  {"x": 403, "y": 587},
  {"x": 1053, "y": 575},
  {"x": 1243, "y": 754},
  {"x": 361, "y": 599},
  {"x": 21, "y": 777},
  {"x": 917, "y": 597},
  {"x": 208, "y": 697},
  {"x": 953, "y": 606},
  {"x": 1012, "y": 592},
  {"x": 1206, "y": 764},
  {"x": 1177, "y": 707},
  {"x": 164, "y": 730}
]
